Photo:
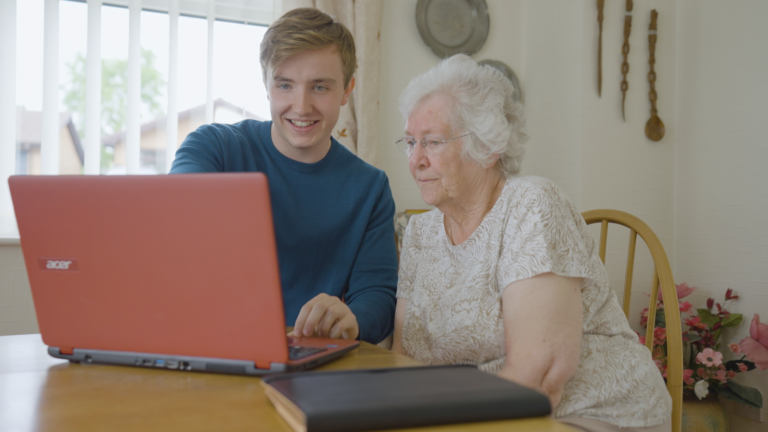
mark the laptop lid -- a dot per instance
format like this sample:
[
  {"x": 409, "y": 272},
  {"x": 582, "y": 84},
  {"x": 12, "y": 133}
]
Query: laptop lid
[{"x": 180, "y": 265}]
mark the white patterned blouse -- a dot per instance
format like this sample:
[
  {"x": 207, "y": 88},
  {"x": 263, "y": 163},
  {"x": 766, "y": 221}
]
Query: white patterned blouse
[{"x": 453, "y": 310}]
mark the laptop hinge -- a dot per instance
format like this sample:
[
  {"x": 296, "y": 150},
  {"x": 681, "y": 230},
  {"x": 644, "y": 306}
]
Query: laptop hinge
[
  {"x": 66, "y": 350},
  {"x": 263, "y": 364}
]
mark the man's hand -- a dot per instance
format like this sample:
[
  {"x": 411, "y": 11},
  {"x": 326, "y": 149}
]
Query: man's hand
[{"x": 326, "y": 316}]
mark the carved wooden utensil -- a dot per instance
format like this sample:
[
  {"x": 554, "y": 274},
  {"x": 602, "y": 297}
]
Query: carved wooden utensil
[
  {"x": 654, "y": 128},
  {"x": 600, "y": 4},
  {"x": 625, "y": 53}
]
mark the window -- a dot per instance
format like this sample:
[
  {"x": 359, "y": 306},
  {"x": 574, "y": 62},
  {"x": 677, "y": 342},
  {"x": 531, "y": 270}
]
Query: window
[{"x": 176, "y": 90}]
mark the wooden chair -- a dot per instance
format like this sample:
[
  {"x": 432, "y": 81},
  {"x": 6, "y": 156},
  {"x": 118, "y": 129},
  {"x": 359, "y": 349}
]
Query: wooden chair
[
  {"x": 387, "y": 343},
  {"x": 662, "y": 274}
]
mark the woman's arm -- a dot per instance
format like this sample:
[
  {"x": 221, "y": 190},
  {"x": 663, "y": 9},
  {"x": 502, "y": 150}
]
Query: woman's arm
[
  {"x": 542, "y": 324},
  {"x": 399, "y": 316}
]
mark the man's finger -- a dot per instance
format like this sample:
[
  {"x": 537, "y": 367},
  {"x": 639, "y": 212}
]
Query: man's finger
[
  {"x": 333, "y": 314},
  {"x": 298, "y": 327},
  {"x": 346, "y": 328},
  {"x": 311, "y": 325},
  {"x": 301, "y": 320}
]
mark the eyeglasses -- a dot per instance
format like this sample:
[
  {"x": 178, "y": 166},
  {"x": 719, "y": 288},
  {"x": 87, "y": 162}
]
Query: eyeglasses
[{"x": 431, "y": 147}]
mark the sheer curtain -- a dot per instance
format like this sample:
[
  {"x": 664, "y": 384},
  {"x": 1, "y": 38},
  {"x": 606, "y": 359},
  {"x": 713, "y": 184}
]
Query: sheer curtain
[{"x": 358, "y": 125}]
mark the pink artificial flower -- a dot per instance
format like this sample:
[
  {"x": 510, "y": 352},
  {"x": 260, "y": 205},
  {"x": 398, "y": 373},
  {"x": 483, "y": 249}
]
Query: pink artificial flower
[
  {"x": 710, "y": 303},
  {"x": 685, "y": 306},
  {"x": 695, "y": 322},
  {"x": 644, "y": 317},
  {"x": 702, "y": 373},
  {"x": 720, "y": 375},
  {"x": 687, "y": 376},
  {"x": 710, "y": 357},
  {"x": 756, "y": 346},
  {"x": 735, "y": 348},
  {"x": 642, "y": 340},
  {"x": 659, "y": 334},
  {"x": 683, "y": 290},
  {"x": 729, "y": 295},
  {"x": 743, "y": 367},
  {"x": 731, "y": 374}
]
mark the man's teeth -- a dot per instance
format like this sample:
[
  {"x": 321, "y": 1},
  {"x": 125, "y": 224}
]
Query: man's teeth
[{"x": 302, "y": 123}]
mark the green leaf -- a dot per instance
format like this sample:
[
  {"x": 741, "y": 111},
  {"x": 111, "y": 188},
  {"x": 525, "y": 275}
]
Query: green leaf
[
  {"x": 692, "y": 337},
  {"x": 732, "y": 320},
  {"x": 752, "y": 395},
  {"x": 114, "y": 91},
  {"x": 692, "y": 352},
  {"x": 686, "y": 354},
  {"x": 707, "y": 317},
  {"x": 729, "y": 394},
  {"x": 716, "y": 336}
]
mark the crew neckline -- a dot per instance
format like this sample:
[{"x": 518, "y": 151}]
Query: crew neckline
[
  {"x": 485, "y": 218},
  {"x": 292, "y": 164}
]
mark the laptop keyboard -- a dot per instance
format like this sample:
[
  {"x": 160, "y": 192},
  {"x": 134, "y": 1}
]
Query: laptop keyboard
[{"x": 299, "y": 352}]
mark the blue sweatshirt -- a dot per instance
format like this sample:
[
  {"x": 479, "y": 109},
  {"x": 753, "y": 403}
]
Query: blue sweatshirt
[{"x": 333, "y": 219}]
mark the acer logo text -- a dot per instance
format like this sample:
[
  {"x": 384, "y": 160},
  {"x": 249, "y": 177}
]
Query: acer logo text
[{"x": 58, "y": 265}]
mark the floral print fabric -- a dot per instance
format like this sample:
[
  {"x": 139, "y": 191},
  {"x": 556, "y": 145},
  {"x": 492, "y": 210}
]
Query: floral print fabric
[{"x": 453, "y": 309}]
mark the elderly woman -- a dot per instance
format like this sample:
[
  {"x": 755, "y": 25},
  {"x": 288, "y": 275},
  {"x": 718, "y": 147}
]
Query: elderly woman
[{"x": 504, "y": 274}]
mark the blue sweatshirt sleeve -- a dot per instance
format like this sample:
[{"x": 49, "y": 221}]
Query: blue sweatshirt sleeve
[
  {"x": 373, "y": 282},
  {"x": 200, "y": 152}
]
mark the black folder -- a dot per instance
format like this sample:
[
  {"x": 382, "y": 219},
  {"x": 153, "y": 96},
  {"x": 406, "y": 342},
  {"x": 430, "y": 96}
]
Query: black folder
[{"x": 370, "y": 399}]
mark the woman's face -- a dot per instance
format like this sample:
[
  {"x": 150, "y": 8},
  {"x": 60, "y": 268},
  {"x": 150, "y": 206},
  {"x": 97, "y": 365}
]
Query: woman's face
[{"x": 447, "y": 177}]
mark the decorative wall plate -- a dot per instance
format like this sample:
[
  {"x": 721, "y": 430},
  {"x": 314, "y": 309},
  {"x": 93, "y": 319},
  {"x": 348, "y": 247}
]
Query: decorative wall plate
[
  {"x": 450, "y": 27},
  {"x": 509, "y": 73}
]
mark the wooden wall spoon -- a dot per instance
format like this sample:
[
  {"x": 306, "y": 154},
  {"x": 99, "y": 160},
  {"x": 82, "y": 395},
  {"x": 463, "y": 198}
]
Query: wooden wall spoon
[{"x": 654, "y": 128}]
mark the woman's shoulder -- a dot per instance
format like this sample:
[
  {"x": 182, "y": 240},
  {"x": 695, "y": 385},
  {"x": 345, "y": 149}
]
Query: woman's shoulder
[
  {"x": 424, "y": 221},
  {"x": 528, "y": 191},
  {"x": 533, "y": 184},
  {"x": 421, "y": 228}
]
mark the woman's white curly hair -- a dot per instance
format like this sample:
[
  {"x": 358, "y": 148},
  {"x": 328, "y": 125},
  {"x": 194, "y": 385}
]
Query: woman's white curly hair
[{"x": 483, "y": 105}]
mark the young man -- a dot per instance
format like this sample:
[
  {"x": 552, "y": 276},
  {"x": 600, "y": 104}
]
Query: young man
[{"x": 332, "y": 211}]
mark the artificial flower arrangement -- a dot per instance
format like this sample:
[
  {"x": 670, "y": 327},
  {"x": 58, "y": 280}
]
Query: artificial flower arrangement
[{"x": 703, "y": 366}]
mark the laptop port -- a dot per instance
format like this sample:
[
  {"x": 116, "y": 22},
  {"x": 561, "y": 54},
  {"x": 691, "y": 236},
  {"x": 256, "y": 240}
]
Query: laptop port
[
  {"x": 185, "y": 366},
  {"x": 159, "y": 363},
  {"x": 88, "y": 359},
  {"x": 172, "y": 364},
  {"x": 148, "y": 362}
]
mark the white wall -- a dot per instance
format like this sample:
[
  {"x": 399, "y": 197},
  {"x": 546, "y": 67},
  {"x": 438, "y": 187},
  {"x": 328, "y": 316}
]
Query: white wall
[
  {"x": 17, "y": 313},
  {"x": 721, "y": 210},
  {"x": 552, "y": 72}
]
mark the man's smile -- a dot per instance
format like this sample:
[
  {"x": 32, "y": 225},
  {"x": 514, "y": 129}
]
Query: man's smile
[{"x": 300, "y": 123}]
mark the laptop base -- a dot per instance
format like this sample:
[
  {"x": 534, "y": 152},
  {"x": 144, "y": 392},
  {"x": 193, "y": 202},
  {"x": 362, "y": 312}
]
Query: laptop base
[{"x": 189, "y": 363}]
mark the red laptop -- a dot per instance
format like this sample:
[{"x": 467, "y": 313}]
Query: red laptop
[{"x": 168, "y": 272}]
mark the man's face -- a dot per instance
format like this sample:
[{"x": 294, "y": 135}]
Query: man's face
[{"x": 306, "y": 92}]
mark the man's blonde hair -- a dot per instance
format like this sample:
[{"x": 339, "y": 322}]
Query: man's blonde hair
[{"x": 306, "y": 29}]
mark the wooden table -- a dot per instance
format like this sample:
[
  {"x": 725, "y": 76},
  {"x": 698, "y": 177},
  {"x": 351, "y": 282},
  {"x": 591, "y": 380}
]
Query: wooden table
[{"x": 40, "y": 393}]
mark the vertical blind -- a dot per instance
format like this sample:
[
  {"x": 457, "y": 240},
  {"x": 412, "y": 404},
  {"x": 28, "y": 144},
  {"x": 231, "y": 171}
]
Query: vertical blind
[
  {"x": 261, "y": 12},
  {"x": 7, "y": 109}
]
